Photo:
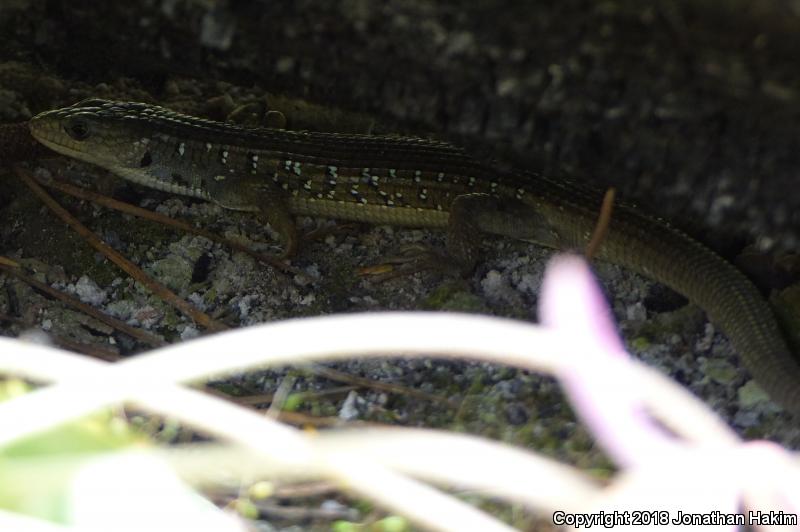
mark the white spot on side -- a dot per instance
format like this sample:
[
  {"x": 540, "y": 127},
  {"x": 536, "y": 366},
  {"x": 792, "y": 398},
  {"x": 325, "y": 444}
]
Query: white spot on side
[
  {"x": 219, "y": 178},
  {"x": 208, "y": 146},
  {"x": 181, "y": 149}
]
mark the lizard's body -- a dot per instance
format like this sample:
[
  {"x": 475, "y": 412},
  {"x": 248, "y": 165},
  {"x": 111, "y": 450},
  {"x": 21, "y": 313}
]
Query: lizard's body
[{"x": 414, "y": 182}]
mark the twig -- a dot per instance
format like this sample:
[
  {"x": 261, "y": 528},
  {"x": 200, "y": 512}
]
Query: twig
[
  {"x": 279, "y": 398},
  {"x": 603, "y": 220},
  {"x": 5, "y": 261},
  {"x": 295, "y": 418},
  {"x": 307, "y": 420},
  {"x": 95, "y": 351},
  {"x": 12, "y": 319},
  {"x": 143, "y": 336},
  {"x": 117, "y": 258},
  {"x": 302, "y": 514},
  {"x": 121, "y": 206},
  {"x": 307, "y": 489},
  {"x": 264, "y": 398},
  {"x": 341, "y": 376}
]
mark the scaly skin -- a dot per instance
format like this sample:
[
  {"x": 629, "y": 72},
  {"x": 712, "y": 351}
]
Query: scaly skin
[{"x": 415, "y": 182}]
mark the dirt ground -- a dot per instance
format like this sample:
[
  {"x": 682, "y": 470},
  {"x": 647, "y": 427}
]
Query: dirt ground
[{"x": 690, "y": 108}]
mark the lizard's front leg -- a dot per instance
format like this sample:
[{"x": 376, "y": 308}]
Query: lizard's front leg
[
  {"x": 272, "y": 209},
  {"x": 269, "y": 202}
]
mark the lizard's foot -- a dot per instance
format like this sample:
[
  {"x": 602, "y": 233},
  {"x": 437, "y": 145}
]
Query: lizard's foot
[
  {"x": 412, "y": 259},
  {"x": 321, "y": 233}
]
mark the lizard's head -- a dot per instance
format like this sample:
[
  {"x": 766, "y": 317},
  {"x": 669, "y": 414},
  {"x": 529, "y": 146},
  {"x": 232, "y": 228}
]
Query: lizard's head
[{"x": 106, "y": 133}]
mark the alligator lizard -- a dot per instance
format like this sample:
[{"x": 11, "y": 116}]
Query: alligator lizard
[{"x": 415, "y": 182}]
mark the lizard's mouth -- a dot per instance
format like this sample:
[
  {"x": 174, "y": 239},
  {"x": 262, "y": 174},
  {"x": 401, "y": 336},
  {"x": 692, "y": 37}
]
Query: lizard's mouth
[
  {"x": 49, "y": 130},
  {"x": 73, "y": 137}
]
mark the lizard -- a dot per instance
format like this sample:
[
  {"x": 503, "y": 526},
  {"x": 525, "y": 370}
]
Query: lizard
[{"x": 411, "y": 181}]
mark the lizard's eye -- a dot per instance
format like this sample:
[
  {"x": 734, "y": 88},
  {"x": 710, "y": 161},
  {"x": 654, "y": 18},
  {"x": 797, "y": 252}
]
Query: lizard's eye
[{"x": 77, "y": 128}]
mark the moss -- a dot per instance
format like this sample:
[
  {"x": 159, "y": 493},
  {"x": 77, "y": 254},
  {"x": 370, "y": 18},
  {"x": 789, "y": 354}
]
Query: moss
[
  {"x": 686, "y": 318},
  {"x": 476, "y": 386},
  {"x": 720, "y": 371},
  {"x": 454, "y": 295},
  {"x": 323, "y": 409},
  {"x": 640, "y": 343},
  {"x": 229, "y": 388},
  {"x": 171, "y": 318},
  {"x": 45, "y": 235},
  {"x": 173, "y": 271}
]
